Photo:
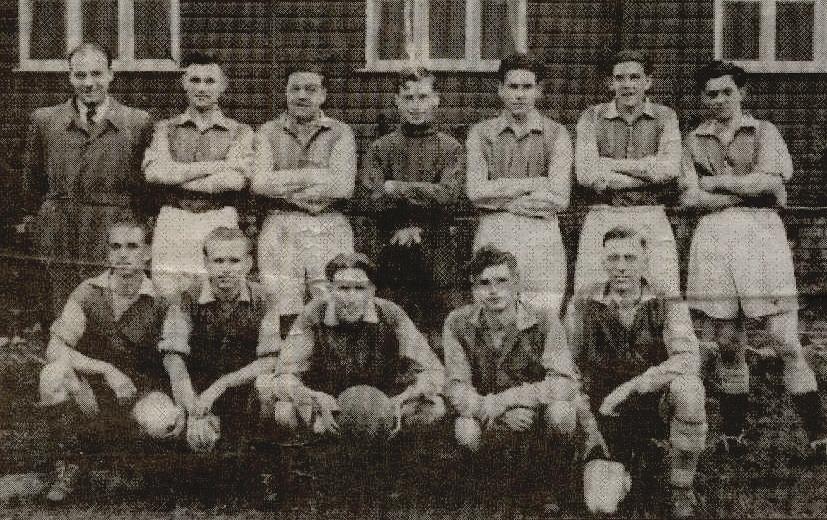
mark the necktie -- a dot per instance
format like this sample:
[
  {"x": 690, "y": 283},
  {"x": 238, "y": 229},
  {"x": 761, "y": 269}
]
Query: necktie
[{"x": 91, "y": 111}]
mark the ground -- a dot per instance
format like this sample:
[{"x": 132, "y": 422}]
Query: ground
[{"x": 427, "y": 477}]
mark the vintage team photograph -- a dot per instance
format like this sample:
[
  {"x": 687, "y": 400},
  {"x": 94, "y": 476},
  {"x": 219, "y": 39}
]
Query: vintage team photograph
[{"x": 415, "y": 259}]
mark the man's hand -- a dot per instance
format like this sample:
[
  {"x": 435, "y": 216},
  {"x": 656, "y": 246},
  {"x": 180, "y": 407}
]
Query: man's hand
[
  {"x": 594, "y": 440},
  {"x": 204, "y": 402},
  {"x": 618, "y": 396},
  {"x": 323, "y": 421},
  {"x": 124, "y": 388},
  {"x": 491, "y": 410},
  {"x": 518, "y": 419},
  {"x": 408, "y": 236}
]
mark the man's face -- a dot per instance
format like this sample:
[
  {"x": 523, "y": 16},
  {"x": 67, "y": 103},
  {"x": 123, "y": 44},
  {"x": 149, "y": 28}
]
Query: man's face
[
  {"x": 519, "y": 91},
  {"x": 496, "y": 289},
  {"x": 722, "y": 97},
  {"x": 305, "y": 95},
  {"x": 417, "y": 102},
  {"x": 127, "y": 249},
  {"x": 629, "y": 83},
  {"x": 352, "y": 291},
  {"x": 90, "y": 76},
  {"x": 228, "y": 262},
  {"x": 625, "y": 261},
  {"x": 204, "y": 85}
]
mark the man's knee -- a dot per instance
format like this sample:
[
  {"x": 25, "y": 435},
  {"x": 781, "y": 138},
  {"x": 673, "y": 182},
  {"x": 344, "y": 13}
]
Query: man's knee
[
  {"x": 688, "y": 427},
  {"x": 561, "y": 418},
  {"x": 468, "y": 433},
  {"x": 60, "y": 384}
]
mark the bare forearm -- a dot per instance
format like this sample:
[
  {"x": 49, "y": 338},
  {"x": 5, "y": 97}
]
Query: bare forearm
[
  {"x": 248, "y": 373},
  {"x": 749, "y": 185},
  {"x": 79, "y": 362},
  {"x": 179, "y": 378},
  {"x": 174, "y": 173},
  {"x": 229, "y": 179}
]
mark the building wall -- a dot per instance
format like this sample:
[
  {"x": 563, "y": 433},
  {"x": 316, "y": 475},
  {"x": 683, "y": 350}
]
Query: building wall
[{"x": 260, "y": 40}]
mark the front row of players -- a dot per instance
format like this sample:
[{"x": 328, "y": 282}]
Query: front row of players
[{"x": 628, "y": 360}]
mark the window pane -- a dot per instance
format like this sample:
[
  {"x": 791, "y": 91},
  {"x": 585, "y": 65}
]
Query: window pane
[
  {"x": 100, "y": 23},
  {"x": 497, "y": 35},
  {"x": 794, "y": 31},
  {"x": 447, "y": 26},
  {"x": 741, "y": 30},
  {"x": 390, "y": 43},
  {"x": 152, "y": 36},
  {"x": 48, "y": 30}
]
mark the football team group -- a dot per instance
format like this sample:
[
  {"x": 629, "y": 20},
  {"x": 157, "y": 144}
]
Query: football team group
[{"x": 160, "y": 333}]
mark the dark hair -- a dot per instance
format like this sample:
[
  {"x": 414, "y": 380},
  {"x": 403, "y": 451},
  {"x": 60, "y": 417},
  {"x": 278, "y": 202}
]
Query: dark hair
[
  {"x": 625, "y": 55},
  {"x": 350, "y": 261},
  {"x": 520, "y": 61},
  {"x": 488, "y": 256},
  {"x": 130, "y": 222},
  {"x": 412, "y": 73},
  {"x": 199, "y": 58},
  {"x": 717, "y": 69},
  {"x": 623, "y": 232},
  {"x": 228, "y": 234},
  {"x": 308, "y": 67},
  {"x": 90, "y": 47}
]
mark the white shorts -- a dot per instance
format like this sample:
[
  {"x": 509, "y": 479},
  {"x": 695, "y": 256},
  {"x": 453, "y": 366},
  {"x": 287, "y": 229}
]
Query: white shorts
[
  {"x": 538, "y": 247},
  {"x": 741, "y": 255},
  {"x": 178, "y": 246},
  {"x": 293, "y": 250},
  {"x": 651, "y": 221}
]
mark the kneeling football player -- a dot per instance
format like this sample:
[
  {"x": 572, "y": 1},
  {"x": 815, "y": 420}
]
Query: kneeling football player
[
  {"x": 101, "y": 357},
  {"x": 638, "y": 355},
  {"x": 341, "y": 347}
]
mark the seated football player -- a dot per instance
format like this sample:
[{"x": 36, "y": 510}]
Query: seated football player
[
  {"x": 216, "y": 342},
  {"x": 508, "y": 368},
  {"x": 101, "y": 358},
  {"x": 638, "y": 356},
  {"x": 341, "y": 346}
]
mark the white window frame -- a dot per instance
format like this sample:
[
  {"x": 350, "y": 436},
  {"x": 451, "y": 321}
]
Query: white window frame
[
  {"x": 421, "y": 31},
  {"x": 766, "y": 61},
  {"x": 123, "y": 57}
]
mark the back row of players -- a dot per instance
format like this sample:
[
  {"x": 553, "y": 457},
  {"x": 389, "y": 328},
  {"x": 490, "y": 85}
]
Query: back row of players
[{"x": 83, "y": 168}]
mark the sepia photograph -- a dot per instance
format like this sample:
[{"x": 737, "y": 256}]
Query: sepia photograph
[{"x": 420, "y": 259}]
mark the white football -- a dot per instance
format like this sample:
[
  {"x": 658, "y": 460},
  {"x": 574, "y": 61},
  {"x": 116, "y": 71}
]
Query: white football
[{"x": 157, "y": 414}]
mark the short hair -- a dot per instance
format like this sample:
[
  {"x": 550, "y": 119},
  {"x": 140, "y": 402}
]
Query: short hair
[
  {"x": 350, "y": 261},
  {"x": 716, "y": 69},
  {"x": 622, "y": 233},
  {"x": 87, "y": 47},
  {"x": 489, "y": 256},
  {"x": 520, "y": 61},
  {"x": 228, "y": 234},
  {"x": 625, "y": 55},
  {"x": 130, "y": 223},
  {"x": 310, "y": 68},
  {"x": 199, "y": 58},
  {"x": 413, "y": 73}
]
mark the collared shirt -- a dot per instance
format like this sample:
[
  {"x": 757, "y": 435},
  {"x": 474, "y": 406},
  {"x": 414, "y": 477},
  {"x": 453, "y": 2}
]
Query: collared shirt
[
  {"x": 219, "y": 337},
  {"x": 537, "y": 156},
  {"x": 602, "y": 132},
  {"x": 412, "y": 154},
  {"x": 658, "y": 346},
  {"x": 756, "y": 146},
  {"x": 184, "y": 141},
  {"x": 65, "y": 159},
  {"x": 326, "y": 155},
  {"x": 100, "y": 111},
  {"x": 384, "y": 350},
  {"x": 530, "y": 354}
]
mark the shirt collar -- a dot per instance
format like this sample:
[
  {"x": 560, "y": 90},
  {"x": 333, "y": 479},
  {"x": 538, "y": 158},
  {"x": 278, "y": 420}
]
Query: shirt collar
[
  {"x": 208, "y": 296},
  {"x": 215, "y": 118},
  {"x": 113, "y": 111},
  {"x": 603, "y": 295},
  {"x": 331, "y": 320},
  {"x": 612, "y": 112},
  {"x": 525, "y": 317},
  {"x": 710, "y": 126},
  {"x": 505, "y": 121},
  {"x": 417, "y": 130},
  {"x": 290, "y": 124},
  {"x": 104, "y": 281}
]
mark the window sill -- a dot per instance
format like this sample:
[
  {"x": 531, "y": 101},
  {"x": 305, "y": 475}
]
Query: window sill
[
  {"x": 117, "y": 66},
  {"x": 782, "y": 67},
  {"x": 444, "y": 65}
]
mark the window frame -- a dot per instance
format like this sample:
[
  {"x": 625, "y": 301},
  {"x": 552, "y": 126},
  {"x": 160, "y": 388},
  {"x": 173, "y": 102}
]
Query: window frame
[
  {"x": 123, "y": 57},
  {"x": 473, "y": 61},
  {"x": 766, "y": 62}
]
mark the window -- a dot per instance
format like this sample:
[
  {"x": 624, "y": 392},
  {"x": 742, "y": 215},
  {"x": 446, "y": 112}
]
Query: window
[
  {"x": 141, "y": 34},
  {"x": 772, "y": 35},
  {"x": 443, "y": 34}
]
